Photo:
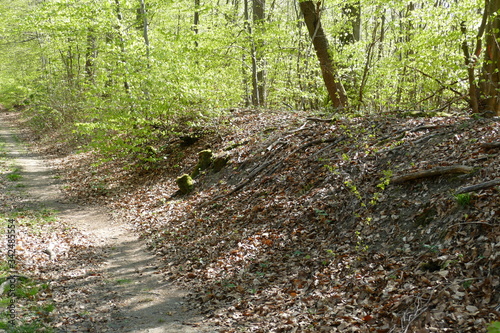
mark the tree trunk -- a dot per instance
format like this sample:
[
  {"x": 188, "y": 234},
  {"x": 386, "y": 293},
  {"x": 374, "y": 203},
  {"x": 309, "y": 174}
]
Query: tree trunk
[
  {"x": 121, "y": 39},
  {"x": 196, "y": 19},
  {"x": 333, "y": 85},
  {"x": 258, "y": 61},
  {"x": 145, "y": 30},
  {"x": 490, "y": 77},
  {"x": 351, "y": 32},
  {"x": 248, "y": 27},
  {"x": 471, "y": 59},
  {"x": 90, "y": 54}
]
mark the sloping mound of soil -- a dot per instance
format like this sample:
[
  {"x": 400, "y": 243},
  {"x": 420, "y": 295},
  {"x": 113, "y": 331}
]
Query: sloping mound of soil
[{"x": 351, "y": 225}]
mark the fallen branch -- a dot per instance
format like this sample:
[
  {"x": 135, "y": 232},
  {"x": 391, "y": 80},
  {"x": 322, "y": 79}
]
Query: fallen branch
[
  {"x": 490, "y": 145},
  {"x": 334, "y": 141},
  {"x": 321, "y": 120},
  {"x": 301, "y": 128},
  {"x": 403, "y": 132},
  {"x": 438, "y": 171},
  {"x": 479, "y": 187},
  {"x": 249, "y": 178},
  {"x": 426, "y": 127},
  {"x": 260, "y": 168},
  {"x": 425, "y": 138},
  {"x": 464, "y": 223}
]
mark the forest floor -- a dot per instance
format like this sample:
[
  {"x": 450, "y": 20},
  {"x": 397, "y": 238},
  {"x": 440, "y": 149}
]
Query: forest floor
[
  {"x": 92, "y": 272},
  {"x": 344, "y": 225}
]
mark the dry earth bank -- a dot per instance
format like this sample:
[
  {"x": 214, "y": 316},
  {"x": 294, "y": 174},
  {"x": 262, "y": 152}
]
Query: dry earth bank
[{"x": 313, "y": 227}]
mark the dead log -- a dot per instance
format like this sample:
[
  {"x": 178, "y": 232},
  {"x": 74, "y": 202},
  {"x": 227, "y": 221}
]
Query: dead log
[
  {"x": 478, "y": 187},
  {"x": 321, "y": 120},
  {"x": 434, "y": 172},
  {"x": 490, "y": 145}
]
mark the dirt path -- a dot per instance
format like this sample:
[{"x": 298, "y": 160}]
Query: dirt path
[{"x": 128, "y": 296}]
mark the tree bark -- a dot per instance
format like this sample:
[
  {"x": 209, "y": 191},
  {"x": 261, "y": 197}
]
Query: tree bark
[
  {"x": 145, "y": 30},
  {"x": 196, "y": 19},
  {"x": 121, "y": 40},
  {"x": 330, "y": 77},
  {"x": 90, "y": 54},
  {"x": 434, "y": 172},
  {"x": 258, "y": 61},
  {"x": 490, "y": 76},
  {"x": 471, "y": 59}
]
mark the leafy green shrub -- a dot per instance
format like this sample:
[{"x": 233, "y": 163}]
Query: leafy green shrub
[
  {"x": 463, "y": 199},
  {"x": 44, "y": 118},
  {"x": 494, "y": 327},
  {"x": 12, "y": 95}
]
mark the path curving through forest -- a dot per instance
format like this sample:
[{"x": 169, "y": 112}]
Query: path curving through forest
[{"x": 128, "y": 295}]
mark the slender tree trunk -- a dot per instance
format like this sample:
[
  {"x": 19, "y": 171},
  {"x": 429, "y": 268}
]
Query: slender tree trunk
[
  {"x": 258, "y": 61},
  {"x": 352, "y": 31},
  {"x": 119, "y": 16},
  {"x": 330, "y": 76},
  {"x": 196, "y": 19},
  {"x": 471, "y": 59},
  {"x": 382, "y": 36},
  {"x": 145, "y": 30},
  {"x": 370, "y": 52},
  {"x": 143, "y": 21},
  {"x": 90, "y": 55},
  {"x": 248, "y": 27},
  {"x": 67, "y": 59},
  {"x": 490, "y": 76}
]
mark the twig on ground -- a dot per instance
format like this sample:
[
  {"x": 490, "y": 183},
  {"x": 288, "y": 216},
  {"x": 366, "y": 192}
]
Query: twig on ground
[
  {"x": 478, "y": 187},
  {"x": 438, "y": 171},
  {"x": 490, "y": 145}
]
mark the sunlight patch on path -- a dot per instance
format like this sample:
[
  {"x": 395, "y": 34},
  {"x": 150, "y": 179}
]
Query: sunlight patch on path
[{"x": 136, "y": 297}]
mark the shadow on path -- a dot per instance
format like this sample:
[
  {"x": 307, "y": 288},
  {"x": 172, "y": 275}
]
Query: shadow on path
[{"x": 111, "y": 285}]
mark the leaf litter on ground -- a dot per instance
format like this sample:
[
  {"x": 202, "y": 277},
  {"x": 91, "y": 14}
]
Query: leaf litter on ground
[{"x": 304, "y": 231}]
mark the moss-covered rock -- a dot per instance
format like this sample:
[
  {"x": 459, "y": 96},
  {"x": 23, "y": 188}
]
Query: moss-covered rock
[
  {"x": 185, "y": 183},
  {"x": 219, "y": 163},
  {"x": 205, "y": 158}
]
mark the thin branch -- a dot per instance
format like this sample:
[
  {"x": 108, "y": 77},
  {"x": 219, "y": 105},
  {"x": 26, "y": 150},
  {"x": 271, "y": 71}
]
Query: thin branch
[
  {"x": 463, "y": 223},
  {"x": 443, "y": 85},
  {"x": 479, "y": 187},
  {"x": 490, "y": 145},
  {"x": 438, "y": 171},
  {"x": 321, "y": 120}
]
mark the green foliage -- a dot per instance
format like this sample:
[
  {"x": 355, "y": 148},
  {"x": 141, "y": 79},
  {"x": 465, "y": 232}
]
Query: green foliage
[
  {"x": 84, "y": 67},
  {"x": 31, "y": 218},
  {"x": 467, "y": 284},
  {"x": 463, "y": 199},
  {"x": 34, "y": 313},
  {"x": 353, "y": 189},
  {"x": 384, "y": 182},
  {"x": 494, "y": 327},
  {"x": 123, "y": 281},
  {"x": 14, "y": 177},
  {"x": 13, "y": 94}
]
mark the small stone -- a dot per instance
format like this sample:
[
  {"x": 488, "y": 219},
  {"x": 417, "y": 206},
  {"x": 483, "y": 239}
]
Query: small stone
[{"x": 185, "y": 183}]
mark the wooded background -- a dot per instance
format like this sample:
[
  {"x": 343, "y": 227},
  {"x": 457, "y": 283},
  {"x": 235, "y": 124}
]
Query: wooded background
[{"x": 138, "y": 69}]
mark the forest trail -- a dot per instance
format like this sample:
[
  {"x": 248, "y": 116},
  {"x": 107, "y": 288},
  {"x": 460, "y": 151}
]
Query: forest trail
[{"x": 139, "y": 300}]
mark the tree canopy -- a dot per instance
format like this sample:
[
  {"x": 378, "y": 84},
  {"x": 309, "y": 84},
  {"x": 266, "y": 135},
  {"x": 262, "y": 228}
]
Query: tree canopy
[{"x": 134, "y": 68}]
